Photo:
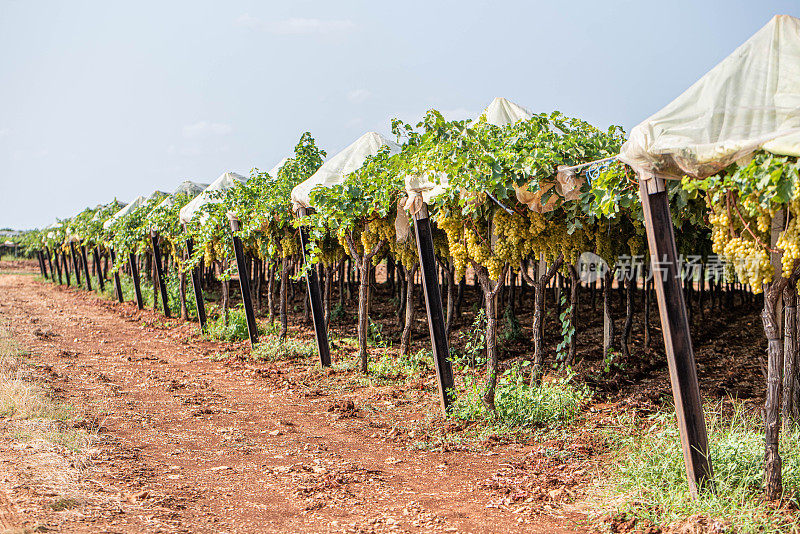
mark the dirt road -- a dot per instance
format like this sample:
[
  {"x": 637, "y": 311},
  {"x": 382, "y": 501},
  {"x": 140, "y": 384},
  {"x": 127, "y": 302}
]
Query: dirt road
[{"x": 187, "y": 443}]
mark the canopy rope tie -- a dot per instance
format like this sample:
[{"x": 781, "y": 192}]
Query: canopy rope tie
[{"x": 593, "y": 168}]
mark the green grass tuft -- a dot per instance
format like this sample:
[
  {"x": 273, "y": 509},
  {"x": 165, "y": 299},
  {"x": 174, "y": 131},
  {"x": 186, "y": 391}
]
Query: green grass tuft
[
  {"x": 272, "y": 348},
  {"x": 520, "y": 404},
  {"x": 650, "y": 478}
]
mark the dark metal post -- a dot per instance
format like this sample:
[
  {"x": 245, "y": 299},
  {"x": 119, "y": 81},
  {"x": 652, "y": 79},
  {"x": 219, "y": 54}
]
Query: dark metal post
[
  {"x": 75, "y": 263},
  {"x": 433, "y": 305},
  {"x": 244, "y": 280},
  {"x": 99, "y": 268},
  {"x": 66, "y": 266},
  {"x": 197, "y": 288},
  {"x": 57, "y": 265},
  {"x": 675, "y": 327},
  {"x": 40, "y": 257},
  {"x": 135, "y": 275},
  {"x": 117, "y": 283},
  {"x": 315, "y": 296},
  {"x": 49, "y": 263},
  {"x": 86, "y": 268},
  {"x": 162, "y": 285}
]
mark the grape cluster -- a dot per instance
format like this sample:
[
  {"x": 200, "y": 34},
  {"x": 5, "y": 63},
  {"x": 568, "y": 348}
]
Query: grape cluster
[
  {"x": 749, "y": 259},
  {"x": 789, "y": 240},
  {"x": 289, "y": 245},
  {"x": 452, "y": 222}
]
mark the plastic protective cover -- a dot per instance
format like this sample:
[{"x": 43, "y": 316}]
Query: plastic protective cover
[
  {"x": 188, "y": 188},
  {"x": 274, "y": 172},
  {"x": 139, "y": 201},
  {"x": 228, "y": 180},
  {"x": 335, "y": 170},
  {"x": 428, "y": 186},
  {"x": 750, "y": 101}
]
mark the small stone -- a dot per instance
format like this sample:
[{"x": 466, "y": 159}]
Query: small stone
[{"x": 221, "y": 468}]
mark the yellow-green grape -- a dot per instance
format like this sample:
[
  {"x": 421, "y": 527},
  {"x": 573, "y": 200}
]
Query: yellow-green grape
[
  {"x": 789, "y": 242},
  {"x": 208, "y": 254},
  {"x": 750, "y": 262},
  {"x": 763, "y": 221},
  {"x": 289, "y": 245},
  {"x": 453, "y": 225}
]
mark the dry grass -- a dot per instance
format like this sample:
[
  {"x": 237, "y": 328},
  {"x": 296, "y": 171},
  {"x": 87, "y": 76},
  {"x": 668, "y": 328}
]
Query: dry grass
[{"x": 31, "y": 415}]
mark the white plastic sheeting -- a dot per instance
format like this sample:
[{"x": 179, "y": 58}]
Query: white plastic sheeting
[
  {"x": 502, "y": 112},
  {"x": 426, "y": 187},
  {"x": 228, "y": 180},
  {"x": 188, "y": 188},
  {"x": 139, "y": 201},
  {"x": 274, "y": 172},
  {"x": 749, "y": 101},
  {"x": 335, "y": 170}
]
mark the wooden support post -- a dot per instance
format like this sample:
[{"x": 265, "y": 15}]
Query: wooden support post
[
  {"x": 197, "y": 287},
  {"x": 98, "y": 268},
  {"x": 315, "y": 296},
  {"x": 66, "y": 266},
  {"x": 117, "y": 283},
  {"x": 54, "y": 261},
  {"x": 40, "y": 257},
  {"x": 75, "y": 264},
  {"x": 49, "y": 263},
  {"x": 135, "y": 275},
  {"x": 162, "y": 283},
  {"x": 675, "y": 327},
  {"x": 433, "y": 305},
  {"x": 244, "y": 280},
  {"x": 86, "y": 268}
]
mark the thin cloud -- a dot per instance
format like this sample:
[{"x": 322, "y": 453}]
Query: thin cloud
[
  {"x": 358, "y": 95},
  {"x": 4, "y": 131},
  {"x": 247, "y": 21},
  {"x": 297, "y": 25},
  {"x": 206, "y": 129}
]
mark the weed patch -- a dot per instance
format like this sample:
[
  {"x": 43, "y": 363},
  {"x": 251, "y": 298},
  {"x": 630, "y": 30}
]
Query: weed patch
[
  {"x": 272, "y": 348},
  {"x": 650, "y": 479}
]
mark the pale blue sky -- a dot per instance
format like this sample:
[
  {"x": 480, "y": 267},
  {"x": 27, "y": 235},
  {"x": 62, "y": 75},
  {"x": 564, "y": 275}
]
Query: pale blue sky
[{"x": 102, "y": 99}]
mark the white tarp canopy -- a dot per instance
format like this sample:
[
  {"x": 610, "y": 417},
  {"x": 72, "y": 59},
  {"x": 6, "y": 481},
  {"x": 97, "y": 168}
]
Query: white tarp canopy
[
  {"x": 228, "y": 180},
  {"x": 750, "y": 101},
  {"x": 139, "y": 201},
  {"x": 274, "y": 172},
  {"x": 335, "y": 170},
  {"x": 502, "y": 112},
  {"x": 424, "y": 188},
  {"x": 99, "y": 207},
  {"x": 188, "y": 188}
]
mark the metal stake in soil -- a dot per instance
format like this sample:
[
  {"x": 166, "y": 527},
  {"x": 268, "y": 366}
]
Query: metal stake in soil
[
  {"x": 315, "y": 296},
  {"x": 135, "y": 275},
  {"x": 675, "y": 327},
  {"x": 40, "y": 257},
  {"x": 162, "y": 285},
  {"x": 58, "y": 266},
  {"x": 75, "y": 263},
  {"x": 197, "y": 288},
  {"x": 117, "y": 284},
  {"x": 433, "y": 305},
  {"x": 244, "y": 280},
  {"x": 98, "y": 268},
  {"x": 66, "y": 266},
  {"x": 50, "y": 264},
  {"x": 86, "y": 268}
]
